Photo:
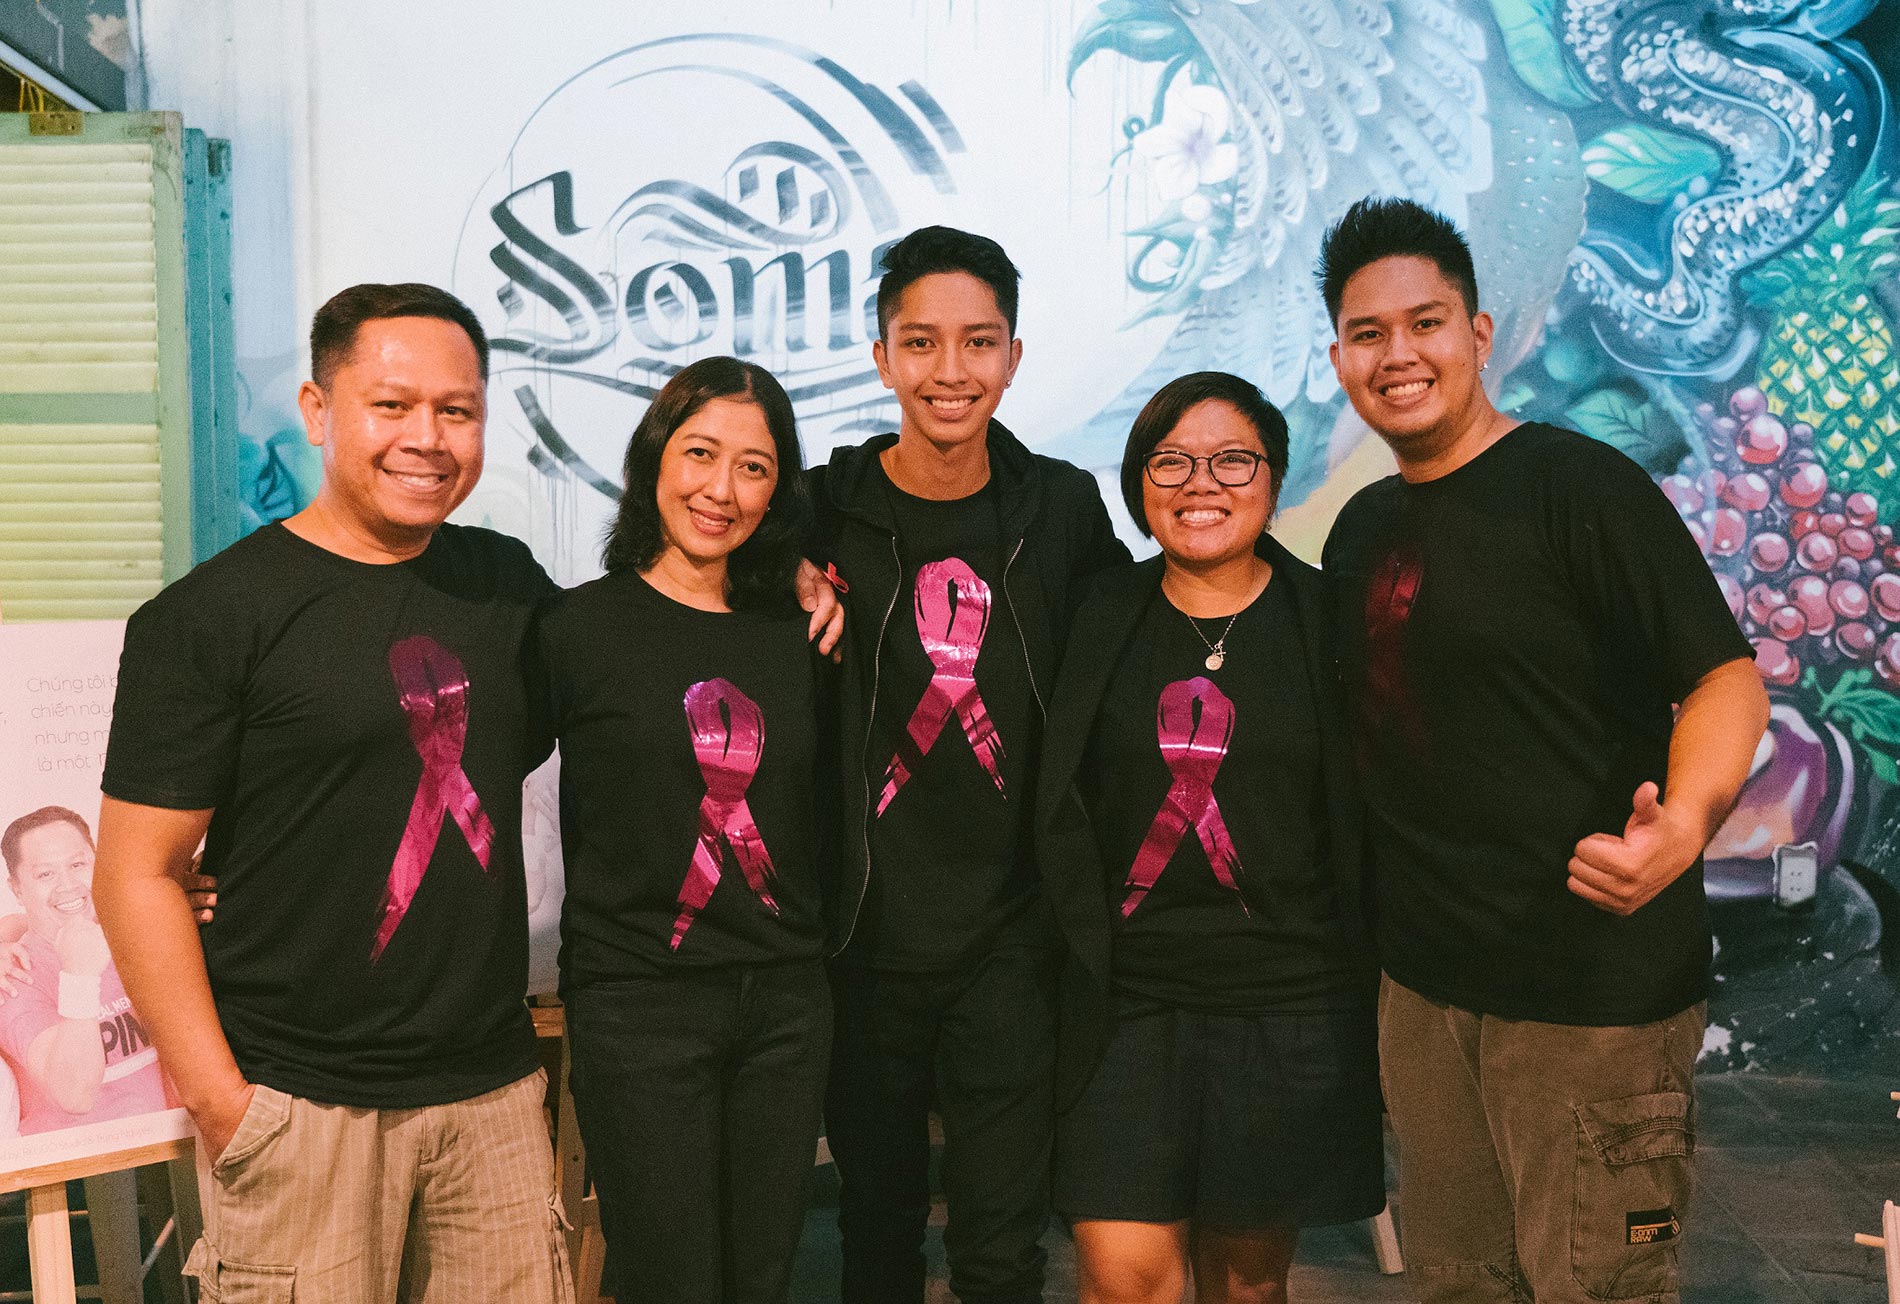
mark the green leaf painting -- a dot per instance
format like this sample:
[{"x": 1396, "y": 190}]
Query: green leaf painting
[
  {"x": 1515, "y": 396},
  {"x": 1571, "y": 362},
  {"x": 1648, "y": 164},
  {"x": 1144, "y": 30},
  {"x": 1529, "y": 29},
  {"x": 1866, "y": 709},
  {"x": 1637, "y": 428}
]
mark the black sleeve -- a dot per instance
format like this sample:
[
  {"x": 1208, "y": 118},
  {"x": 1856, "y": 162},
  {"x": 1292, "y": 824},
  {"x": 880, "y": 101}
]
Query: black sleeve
[
  {"x": 543, "y": 594},
  {"x": 1339, "y": 537},
  {"x": 1641, "y": 573},
  {"x": 828, "y": 809},
  {"x": 1101, "y": 548},
  {"x": 537, "y": 674},
  {"x": 820, "y": 550},
  {"x": 177, "y": 715},
  {"x": 1329, "y": 551}
]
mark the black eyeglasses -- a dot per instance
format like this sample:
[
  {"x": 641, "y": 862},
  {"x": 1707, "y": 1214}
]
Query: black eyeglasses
[{"x": 1232, "y": 467}]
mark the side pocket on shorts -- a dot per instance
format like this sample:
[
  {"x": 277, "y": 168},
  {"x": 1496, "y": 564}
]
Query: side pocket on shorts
[
  {"x": 243, "y": 1284},
  {"x": 265, "y": 1118},
  {"x": 1633, "y": 1181},
  {"x": 236, "y": 1283},
  {"x": 558, "y": 1228},
  {"x": 202, "y": 1267}
]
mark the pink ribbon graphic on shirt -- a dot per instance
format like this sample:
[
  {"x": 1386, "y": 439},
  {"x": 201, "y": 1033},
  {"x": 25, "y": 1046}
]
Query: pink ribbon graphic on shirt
[
  {"x": 728, "y": 738},
  {"x": 1194, "y": 721},
  {"x": 1391, "y": 598},
  {"x": 433, "y": 690},
  {"x": 953, "y": 611}
]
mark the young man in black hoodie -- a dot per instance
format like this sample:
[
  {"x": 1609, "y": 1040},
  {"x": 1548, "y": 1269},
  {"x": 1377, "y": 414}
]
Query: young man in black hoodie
[{"x": 960, "y": 555}]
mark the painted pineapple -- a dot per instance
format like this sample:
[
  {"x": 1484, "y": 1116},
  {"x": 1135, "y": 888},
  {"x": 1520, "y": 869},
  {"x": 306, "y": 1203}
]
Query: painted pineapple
[{"x": 1829, "y": 357}]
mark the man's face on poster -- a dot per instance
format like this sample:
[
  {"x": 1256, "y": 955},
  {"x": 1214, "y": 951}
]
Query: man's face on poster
[{"x": 53, "y": 877}]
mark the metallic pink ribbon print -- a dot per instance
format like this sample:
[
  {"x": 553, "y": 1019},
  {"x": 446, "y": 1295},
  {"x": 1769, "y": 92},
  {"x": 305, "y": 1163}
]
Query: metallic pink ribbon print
[
  {"x": 1391, "y": 600},
  {"x": 953, "y": 612},
  {"x": 728, "y": 738},
  {"x": 433, "y": 690},
  {"x": 1194, "y": 721}
]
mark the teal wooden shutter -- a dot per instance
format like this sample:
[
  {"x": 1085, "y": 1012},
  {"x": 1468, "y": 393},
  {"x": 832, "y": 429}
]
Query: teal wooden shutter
[{"x": 97, "y": 454}]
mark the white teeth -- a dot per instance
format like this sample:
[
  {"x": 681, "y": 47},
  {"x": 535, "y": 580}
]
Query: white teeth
[
  {"x": 1201, "y": 516},
  {"x": 949, "y": 406},
  {"x": 418, "y": 481},
  {"x": 70, "y": 907},
  {"x": 1408, "y": 389}
]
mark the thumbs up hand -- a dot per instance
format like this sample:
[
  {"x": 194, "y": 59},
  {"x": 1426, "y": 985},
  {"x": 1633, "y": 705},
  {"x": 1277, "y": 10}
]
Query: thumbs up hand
[{"x": 1623, "y": 874}]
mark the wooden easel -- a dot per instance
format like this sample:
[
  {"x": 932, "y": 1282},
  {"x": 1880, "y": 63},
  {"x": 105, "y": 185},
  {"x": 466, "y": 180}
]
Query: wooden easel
[
  {"x": 586, "y": 1251},
  {"x": 1888, "y": 1242},
  {"x": 49, "y": 1237}
]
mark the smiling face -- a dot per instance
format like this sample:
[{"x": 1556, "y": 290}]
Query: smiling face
[
  {"x": 1203, "y": 524},
  {"x": 948, "y": 355},
  {"x": 400, "y": 425},
  {"x": 52, "y": 877},
  {"x": 717, "y": 474},
  {"x": 1408, "y": 355}
]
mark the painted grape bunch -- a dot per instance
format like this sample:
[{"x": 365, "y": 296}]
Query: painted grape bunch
[{"x": 1812, "y": 574}]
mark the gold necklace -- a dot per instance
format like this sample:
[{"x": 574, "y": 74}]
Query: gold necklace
[{"x": 1217, "y": 650}]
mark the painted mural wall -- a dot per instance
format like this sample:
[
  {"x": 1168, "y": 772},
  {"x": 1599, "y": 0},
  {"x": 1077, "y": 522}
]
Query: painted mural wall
[{"x": 1683, "y": 211}]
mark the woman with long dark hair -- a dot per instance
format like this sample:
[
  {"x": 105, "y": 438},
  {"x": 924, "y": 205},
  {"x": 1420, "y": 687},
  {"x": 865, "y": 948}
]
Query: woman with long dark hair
[
  {"x": 1199, "y": 840},
  {"x": 691, "y": 939}
]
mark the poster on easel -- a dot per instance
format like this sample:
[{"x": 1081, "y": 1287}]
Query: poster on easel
[
  {"x": 546, "y": 874},
  {"x": 78, "y": 1076}
]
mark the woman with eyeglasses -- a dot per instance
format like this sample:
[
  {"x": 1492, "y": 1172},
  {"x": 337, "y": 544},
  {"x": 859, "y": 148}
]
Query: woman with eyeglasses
[{"x": 1200, "y": 842}]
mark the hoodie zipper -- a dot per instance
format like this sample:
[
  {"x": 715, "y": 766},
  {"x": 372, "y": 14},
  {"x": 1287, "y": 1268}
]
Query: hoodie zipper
[
  {"x": 870, "y": 728},
  {"x": 1021, "y": 642},
  {"x": 870, "y": 715}
]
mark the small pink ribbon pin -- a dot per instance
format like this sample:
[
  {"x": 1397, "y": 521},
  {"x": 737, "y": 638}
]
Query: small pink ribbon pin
[
  {"x": 728, "y": 738},
  {"x": 953, "y": 611},
  {"x": 1194, "y": 721},
  {"x": 433, "y": 690}
]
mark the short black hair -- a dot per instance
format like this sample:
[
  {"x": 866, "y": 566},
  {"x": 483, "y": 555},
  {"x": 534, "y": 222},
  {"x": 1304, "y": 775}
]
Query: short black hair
[
  {"x": 1393, "y": 228},
  {"x": 932, "y": 249},
  {"x": 333, "y": 329},
  {"x": 39, "y": 819},
  {"x": 759, "y": 572},
  {"x": 1162, "y": 413}
]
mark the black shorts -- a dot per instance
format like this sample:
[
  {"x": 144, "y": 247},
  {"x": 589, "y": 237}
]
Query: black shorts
[{"x": 1233, "y": 1121}]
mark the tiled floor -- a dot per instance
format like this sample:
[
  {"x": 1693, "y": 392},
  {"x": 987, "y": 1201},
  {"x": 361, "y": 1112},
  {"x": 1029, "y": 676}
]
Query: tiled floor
[{"x": 1790, "y": 1168}]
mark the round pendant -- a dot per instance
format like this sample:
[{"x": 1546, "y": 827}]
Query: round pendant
[{"x": 1214, "y": 660}]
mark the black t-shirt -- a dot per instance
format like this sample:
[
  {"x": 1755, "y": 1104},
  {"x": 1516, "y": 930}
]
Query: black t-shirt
[
  {"x": 361, "y": 733},
  {"x": 1262, "y": 933},
  {"x": 953, "y": 732},
  {"x": 1513, "y": 636},
  {"x": 687, "y": 782}
]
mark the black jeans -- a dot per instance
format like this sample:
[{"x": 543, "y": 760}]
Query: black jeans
[
  {"x": 698, "y": 1096},
  {"x": 985, "y": 1036}
]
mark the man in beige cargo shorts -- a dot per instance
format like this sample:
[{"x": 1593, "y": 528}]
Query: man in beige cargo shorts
[
  {"x": 338, "y": 702},
  {"x": 1519, "y": 610}
]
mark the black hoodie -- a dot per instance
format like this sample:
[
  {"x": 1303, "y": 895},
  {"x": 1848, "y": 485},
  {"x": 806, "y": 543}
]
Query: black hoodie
[
  {"x": 1073, "y": 877},
  {"x": 1055, "y": 532}
]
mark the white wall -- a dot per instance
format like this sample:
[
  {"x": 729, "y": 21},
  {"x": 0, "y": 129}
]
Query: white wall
[{"x": 373, "y": 140}]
